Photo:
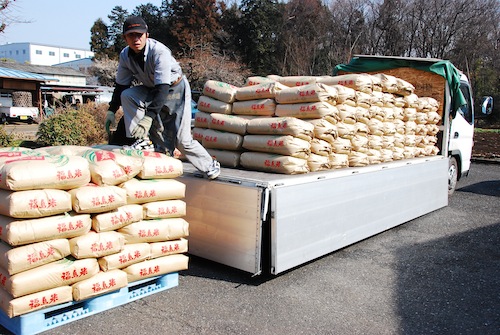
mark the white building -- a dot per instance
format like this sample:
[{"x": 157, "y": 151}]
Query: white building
[{"x": 42, "y": 54}]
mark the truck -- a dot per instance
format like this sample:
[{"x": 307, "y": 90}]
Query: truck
[
  {"x": 28, "y": 114},
  {"x": 265, "y": 223}
]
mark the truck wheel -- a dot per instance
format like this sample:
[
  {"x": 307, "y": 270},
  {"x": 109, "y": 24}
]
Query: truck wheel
[
  {"x": 4, "y": 119},
  {"x": 452, "y": 175}
]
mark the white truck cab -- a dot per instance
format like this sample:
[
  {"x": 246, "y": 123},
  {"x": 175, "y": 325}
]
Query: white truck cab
[{"x": 461, "y": 136}]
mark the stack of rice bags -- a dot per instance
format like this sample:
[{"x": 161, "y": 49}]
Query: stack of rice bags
[
  {"x": 67, "y": 219},
  {"x": 357, "y": 120}
]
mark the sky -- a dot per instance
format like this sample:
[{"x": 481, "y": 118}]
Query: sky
[{"x": 64, "y": 23}]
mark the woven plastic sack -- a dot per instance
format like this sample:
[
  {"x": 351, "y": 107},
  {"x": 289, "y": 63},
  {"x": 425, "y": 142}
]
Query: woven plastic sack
[
  {"x": 23, "y": 258},
  {"x": 155, "y": 165},
  {"x": 389, "y": 83},
  {"x": 318, "y": 162},
  {"x": 216, "y": 139},
  {"x": 374, "y": 156},
  {"x": 346, "y": 130},
  {"x": 99, "y": 284},
  {"x": 286, "y": 145},
  {"x": 341, "y": 146},
  {"x": 158, "y": 230},
  {"x": 363, "y": 99},
  {"x": 59, "y": 273},
  {"x": 117, "y": 218},
  {"x": 362, "y": 114},
  {"x": 220, "y": 91},
  {"x": 164, "y": 209},
  {"x": 261, "y": 107},
  {"x": 308, "y": 110},
  {"x": 375, "y": 142},
  {"x": 376, "y": 99},
  {"x": 346, "y": 95},
  {"x": 112, "y": 168},
  {"x": 56, "y": 172},
  {"x": 130, "y": 254},
  {"x": 307, "y": 93},
  {"x": 160, "y": 249},
  {"x": 321, "y": 147},
  {"x": 212, "y": 105},
  {"x": 266, "y": 162},
  {"x": 347, "y": 113},
  {"x": 386, "y": 155},
  {"x": 149, "y": 190},
  {"x": 156, "y": 267},
  {"x": 25, "y": 231},
  {"x": 68, "y": 150},
  {"x": 97, "y": 199},
  {"x": 260, "y": 91},
  {"x": 404, "y": 88},
  {"x": 198, "y": 134},
  {"x": 357, "y": 81},
  {"x": 201, "y": 119},
  {"x": 34, "y": 203},
  {"x": 18, "y": 306},
  {"x": 411, "y": 100},
  {"x": 281, "y": 126},
  {"x": 294, "y": 81},
  {"x": 228, "y": 123},
  {"x": 339, "y": 161},
  {"x": 95, "y": 245},
  {"x": 358, "y": 159},
  {"x": 257, "y": 80},
  {"x": 359, "y": 143},
  {"x": 324, "y": 130},
  {"x": 227, "y": 158}
]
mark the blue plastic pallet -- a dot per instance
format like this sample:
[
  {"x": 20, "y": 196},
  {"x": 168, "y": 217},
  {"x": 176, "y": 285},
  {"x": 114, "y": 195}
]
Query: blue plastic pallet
[{"x": 52, "y": 317}]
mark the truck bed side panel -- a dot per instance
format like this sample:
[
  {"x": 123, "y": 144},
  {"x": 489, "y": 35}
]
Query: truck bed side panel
[
  {"x": 224, "y": 222},
  {"x": 313, "y": 219}
]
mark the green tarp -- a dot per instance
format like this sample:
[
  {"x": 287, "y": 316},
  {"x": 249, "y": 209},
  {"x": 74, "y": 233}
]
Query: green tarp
[{"x": 443, "y": 68}]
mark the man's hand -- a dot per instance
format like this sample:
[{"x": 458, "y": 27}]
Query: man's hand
[
  {"x": 142, "y": 129},
  {"x": 110, "y": 121}
]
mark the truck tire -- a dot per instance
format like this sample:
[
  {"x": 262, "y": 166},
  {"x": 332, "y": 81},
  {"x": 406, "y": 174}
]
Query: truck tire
[
  {"x": 3, "y": 118},
  {"x": 452, "y": 175}
]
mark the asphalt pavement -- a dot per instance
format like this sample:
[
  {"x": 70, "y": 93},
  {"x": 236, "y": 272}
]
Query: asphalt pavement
[{"x": 437, "y": 274}]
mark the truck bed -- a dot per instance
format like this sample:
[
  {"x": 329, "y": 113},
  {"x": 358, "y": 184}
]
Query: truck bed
[{"x": 263, "y": 222}]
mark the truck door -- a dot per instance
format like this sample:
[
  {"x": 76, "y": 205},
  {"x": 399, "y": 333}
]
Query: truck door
[{"x": 462, "y": 132}]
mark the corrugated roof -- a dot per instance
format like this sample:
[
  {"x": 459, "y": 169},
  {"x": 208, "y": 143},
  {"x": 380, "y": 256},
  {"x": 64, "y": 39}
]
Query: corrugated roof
[
  {"x": 17, "y": 74},
  {"x": 44, "y": 69}
]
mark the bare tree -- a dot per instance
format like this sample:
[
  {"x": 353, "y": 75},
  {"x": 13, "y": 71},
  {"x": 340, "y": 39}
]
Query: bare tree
[
  {"x": 104, "y": 69},
  {"x": 305, "y": 37}
]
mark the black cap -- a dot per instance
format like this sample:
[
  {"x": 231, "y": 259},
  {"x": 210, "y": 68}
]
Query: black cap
[{"x": 134, "y": 24}]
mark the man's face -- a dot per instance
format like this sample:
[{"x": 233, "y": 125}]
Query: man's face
[{"x": 136, "y": 41}]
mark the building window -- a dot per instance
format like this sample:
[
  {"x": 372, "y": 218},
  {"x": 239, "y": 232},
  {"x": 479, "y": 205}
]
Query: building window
[
  {"x": 24, "y": 52},
  {"x": 66, "y": 55},
  {"x": 38, "y": 52},
  {"x": 77, "y": 56},
  {"x": 52, "y": 53}
]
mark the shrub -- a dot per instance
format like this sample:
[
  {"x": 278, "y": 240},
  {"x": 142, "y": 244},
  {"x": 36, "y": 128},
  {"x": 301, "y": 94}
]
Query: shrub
[
  {"x": 6, "y": 140},
  {"x": 71, "y": 127}
]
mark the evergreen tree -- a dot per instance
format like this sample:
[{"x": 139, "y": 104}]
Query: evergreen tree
[
  {"x": 193, "y": 24},
  {"x": 258, "y": 34},
  {"x": 156, "y": 21},
  {"x": 99, "y": 39},
  {"x": 115, "y": 30}
]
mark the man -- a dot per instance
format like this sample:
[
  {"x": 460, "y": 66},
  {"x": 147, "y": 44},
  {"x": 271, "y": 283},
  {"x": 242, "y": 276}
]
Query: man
[{"x": 157, "y": 111}]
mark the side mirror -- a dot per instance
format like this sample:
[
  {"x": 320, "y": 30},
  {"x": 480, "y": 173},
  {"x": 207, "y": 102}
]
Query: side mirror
[{"x": 487, "y": 105}]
